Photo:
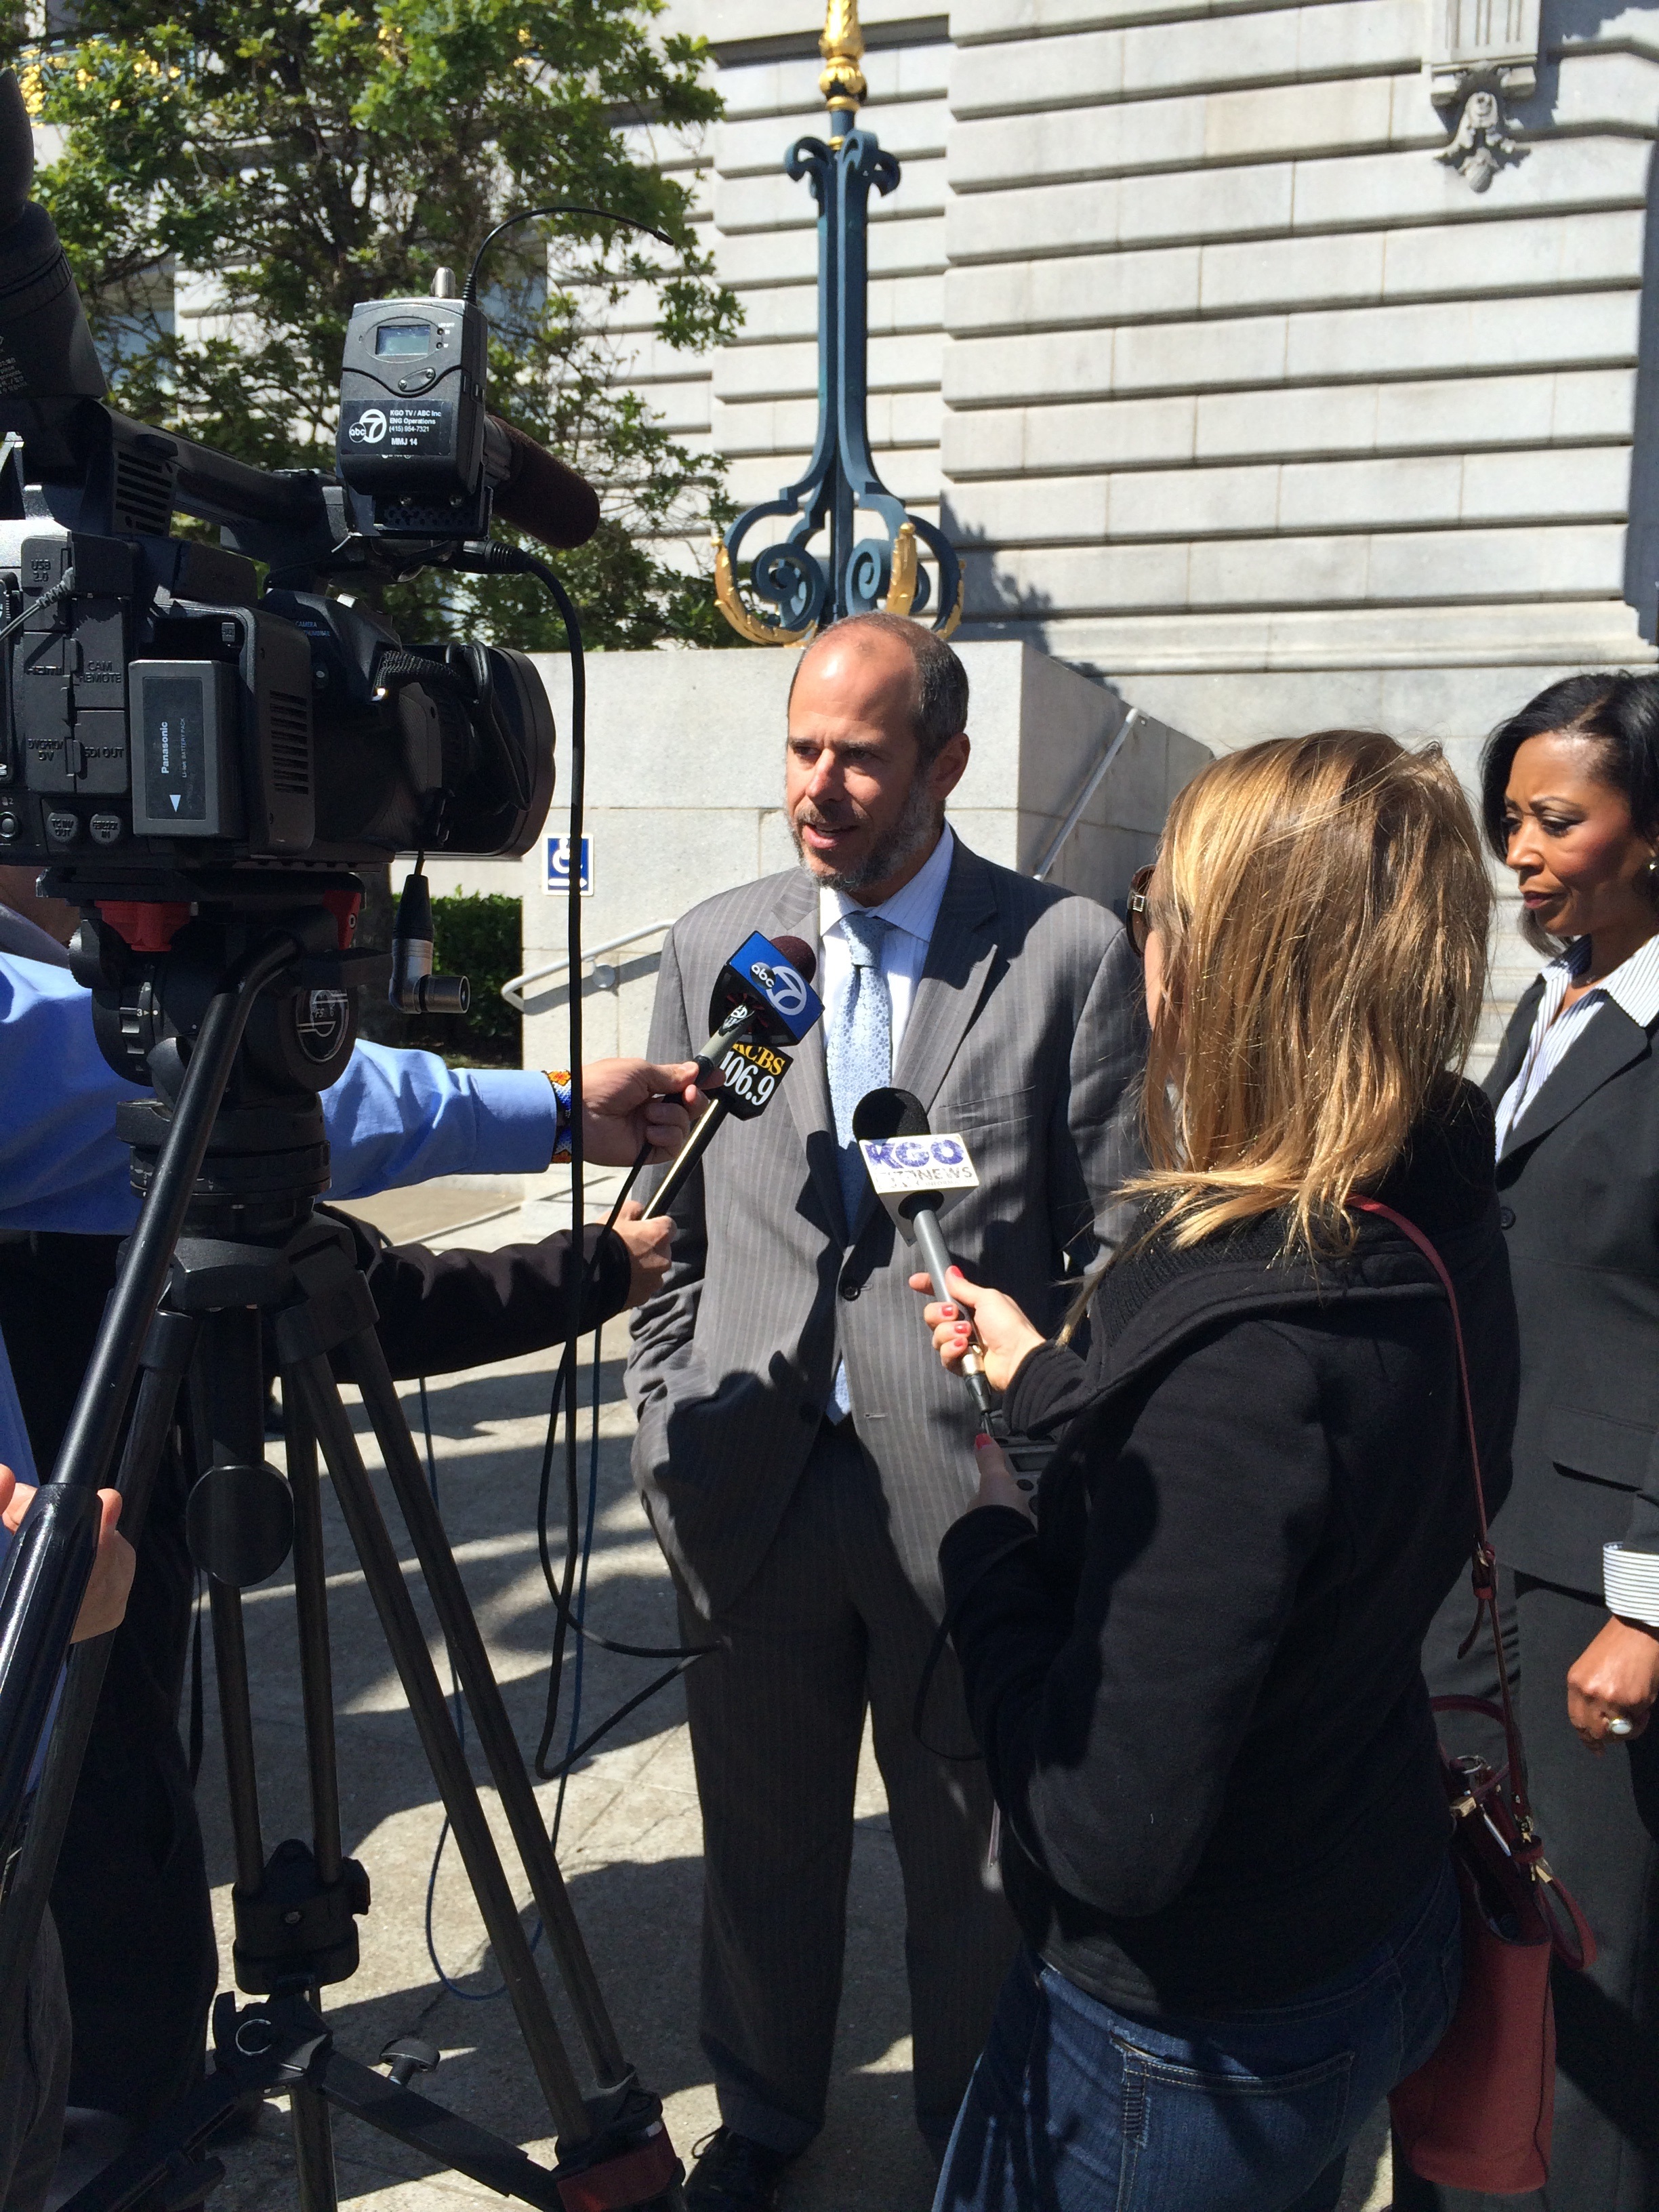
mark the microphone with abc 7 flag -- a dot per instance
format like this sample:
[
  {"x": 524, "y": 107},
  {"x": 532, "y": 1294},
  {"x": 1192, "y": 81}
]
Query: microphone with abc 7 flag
[
  {"x": 763, "y": 999},
  {"x": 915, "y": 1174}
]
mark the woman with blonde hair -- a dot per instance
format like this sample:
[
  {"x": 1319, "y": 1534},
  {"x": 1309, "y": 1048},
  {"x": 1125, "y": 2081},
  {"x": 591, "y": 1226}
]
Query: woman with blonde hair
[{"x": 1195, "y": 1675}]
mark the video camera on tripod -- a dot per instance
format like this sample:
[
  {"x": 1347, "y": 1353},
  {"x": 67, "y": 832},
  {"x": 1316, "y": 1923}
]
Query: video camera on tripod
[
  {"x": 164, "y": 713},
  {"x": 198, "y": 763}
]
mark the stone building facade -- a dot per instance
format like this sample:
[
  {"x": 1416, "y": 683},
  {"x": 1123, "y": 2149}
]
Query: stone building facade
[{"x": 1278, "y": 364}]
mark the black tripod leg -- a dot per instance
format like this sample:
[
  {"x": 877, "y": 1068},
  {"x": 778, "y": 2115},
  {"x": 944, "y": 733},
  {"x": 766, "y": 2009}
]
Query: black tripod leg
[
  {"x": 313, "y": 1382},
  {"x": 227, "y": 1412},
  {"x": 166, "y": 1355},
  {"x": 228, "y": 1407},
  {"x": 484, "y": 1700},
  {"x": 313, "y": 2149},
  {"x": 313, "y": 2133},
  {"x": 236, "y": 1727},
  {"x": 316, "y": 1664}
]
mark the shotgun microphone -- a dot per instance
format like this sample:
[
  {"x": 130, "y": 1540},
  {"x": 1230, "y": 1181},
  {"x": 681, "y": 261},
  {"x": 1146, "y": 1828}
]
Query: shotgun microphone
[
  {"x": 535, "y": 491},
  {"x": 763, "y": 999},
  {"x": 915, "y": 1174}
]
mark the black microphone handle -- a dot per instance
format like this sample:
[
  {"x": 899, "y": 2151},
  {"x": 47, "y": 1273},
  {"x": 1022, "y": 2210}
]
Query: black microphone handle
[
  {"x": 693, "y": 1149},
  {"x": 937, "y": 1261},
  {"x": 733, "y": 1026}
]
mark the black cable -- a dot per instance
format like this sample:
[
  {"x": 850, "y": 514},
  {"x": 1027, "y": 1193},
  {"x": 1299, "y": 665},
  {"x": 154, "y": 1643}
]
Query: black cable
[
  {"x": 581, "y": 1593},
  {"x": 62, "y": 589},
  {"x": 457, "y": 1706},
  {"x": 197, "y": 1731},
  {"x": 394, "y": 670},
  {"x": 558, "y": 207},
  {"x": 503, "y": 559},
  {"x": 692, "y": 1656},
  {"x": 543, "y": 1542},
  {"x": 574, "y": 1017}
]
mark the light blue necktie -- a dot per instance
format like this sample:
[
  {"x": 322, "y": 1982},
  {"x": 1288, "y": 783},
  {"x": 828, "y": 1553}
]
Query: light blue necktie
[{"x": 859, "y": 1057}]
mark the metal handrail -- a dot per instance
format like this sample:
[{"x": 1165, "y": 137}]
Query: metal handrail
[
  {"x": 1097, "y": 777},
  {"x": 513, "y": 989}
]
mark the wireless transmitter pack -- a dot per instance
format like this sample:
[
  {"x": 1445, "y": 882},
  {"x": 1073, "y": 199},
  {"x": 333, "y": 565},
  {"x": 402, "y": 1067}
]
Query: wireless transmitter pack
[{"x": 413, "y": 422}]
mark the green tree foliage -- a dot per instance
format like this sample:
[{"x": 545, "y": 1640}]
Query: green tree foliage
[{"x": 306, "y": 157}]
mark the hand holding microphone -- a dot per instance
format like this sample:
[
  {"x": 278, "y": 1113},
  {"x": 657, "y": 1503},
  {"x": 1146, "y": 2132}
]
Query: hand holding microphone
[
  {"x": 650, "y": 1247},
  {"x": 629, "y": 1104},
  {"x": 968, "y": 1312}
]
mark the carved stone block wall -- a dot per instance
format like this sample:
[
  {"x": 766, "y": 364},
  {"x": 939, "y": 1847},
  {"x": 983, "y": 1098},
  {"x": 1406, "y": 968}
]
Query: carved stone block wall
[{"x": 1235, "y": 386}]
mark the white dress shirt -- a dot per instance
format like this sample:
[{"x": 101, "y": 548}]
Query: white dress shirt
[
  {"x": 910, "y": 914},
  {"x": 1632, "y": 987}
]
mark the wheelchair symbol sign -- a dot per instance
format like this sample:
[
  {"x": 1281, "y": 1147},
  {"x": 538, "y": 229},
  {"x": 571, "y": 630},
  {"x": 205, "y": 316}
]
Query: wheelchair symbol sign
[{"x": 558, "y": 867}]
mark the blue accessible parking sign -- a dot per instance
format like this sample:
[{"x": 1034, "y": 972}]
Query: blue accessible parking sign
[{"x": 558, "y": 866}]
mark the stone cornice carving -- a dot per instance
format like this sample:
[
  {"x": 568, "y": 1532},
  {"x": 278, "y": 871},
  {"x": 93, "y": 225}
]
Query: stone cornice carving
[
  {"x": 1494, "y": 42},
  {"x": 1480, "y": 146},
  {"x": 1479, "y": 53}
]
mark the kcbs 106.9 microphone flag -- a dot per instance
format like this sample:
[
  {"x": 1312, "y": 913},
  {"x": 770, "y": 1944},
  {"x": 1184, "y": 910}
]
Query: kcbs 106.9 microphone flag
[{"x": 763, "y": 999}]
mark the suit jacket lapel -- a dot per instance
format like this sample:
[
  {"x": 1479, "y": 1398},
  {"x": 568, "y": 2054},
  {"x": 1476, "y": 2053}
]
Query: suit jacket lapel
[
  {"x": 953, "y": 979},
  {"x": 1512, "y": 1048},
  {"x": 952, "y": 983},
  {"x": 1611, "y": 1042}
]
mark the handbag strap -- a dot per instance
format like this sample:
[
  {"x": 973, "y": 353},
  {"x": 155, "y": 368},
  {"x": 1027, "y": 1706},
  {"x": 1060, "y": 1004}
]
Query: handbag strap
[{"x": 1484, "y": 1562}]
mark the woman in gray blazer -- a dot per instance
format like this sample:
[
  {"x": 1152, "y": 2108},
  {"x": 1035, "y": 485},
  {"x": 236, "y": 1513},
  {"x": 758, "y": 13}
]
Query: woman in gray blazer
[{"x": 1571, "y": 801}]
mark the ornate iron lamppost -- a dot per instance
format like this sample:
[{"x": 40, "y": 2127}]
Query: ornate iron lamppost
[{"x": 805, "y": 591}]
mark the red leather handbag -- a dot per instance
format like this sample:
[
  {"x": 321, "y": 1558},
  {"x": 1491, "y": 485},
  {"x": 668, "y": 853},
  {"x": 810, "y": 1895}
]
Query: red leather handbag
[{"x": 1478, "y": 2115}]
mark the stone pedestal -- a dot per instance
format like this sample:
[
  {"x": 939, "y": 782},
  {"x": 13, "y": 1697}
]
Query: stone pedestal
[{"x": 685, "y": 792}]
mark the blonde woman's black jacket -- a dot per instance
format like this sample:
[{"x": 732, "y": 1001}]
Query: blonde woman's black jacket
[
  {"x": 1197, "y": 1687},
  {"x": 1578, "y": 1190}
]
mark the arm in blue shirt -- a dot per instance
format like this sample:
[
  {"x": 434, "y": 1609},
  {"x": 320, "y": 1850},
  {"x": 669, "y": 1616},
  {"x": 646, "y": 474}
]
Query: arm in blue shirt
[{"x": 393, "y": 1117}]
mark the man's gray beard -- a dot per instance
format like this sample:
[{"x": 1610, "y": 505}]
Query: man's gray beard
[{"x": 920, "y": 819}]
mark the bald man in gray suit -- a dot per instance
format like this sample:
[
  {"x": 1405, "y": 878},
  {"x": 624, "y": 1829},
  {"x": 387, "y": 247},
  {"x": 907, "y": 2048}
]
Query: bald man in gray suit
[{"x": 800, "y": 1451}]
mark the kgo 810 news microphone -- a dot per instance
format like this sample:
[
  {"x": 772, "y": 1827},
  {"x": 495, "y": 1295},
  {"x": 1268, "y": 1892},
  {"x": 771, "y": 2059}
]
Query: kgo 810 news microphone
[
  {"x": 763, "y": 999},
  {"x": 915, "y": 1174}
]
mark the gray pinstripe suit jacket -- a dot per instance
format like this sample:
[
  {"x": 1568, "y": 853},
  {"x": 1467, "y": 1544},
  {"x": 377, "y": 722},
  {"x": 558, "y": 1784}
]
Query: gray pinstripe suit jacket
[{"x": 1027, "y": 1034}]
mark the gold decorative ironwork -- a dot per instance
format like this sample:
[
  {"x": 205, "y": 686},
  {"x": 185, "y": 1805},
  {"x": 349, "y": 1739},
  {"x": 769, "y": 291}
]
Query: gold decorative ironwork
[
  {"x": 905, "y": 565},
  {"x": 749, "y": 627},
  {"x": 902, "y": 589},
  {"x": 843, "y": 47}
]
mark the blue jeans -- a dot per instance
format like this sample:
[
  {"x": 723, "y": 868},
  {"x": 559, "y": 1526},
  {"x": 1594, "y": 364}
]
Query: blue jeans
[{"x": 1076, "y": 2107}]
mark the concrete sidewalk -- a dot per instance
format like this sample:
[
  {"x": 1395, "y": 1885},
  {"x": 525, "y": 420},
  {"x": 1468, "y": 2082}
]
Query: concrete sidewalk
[{"x": 630, "y": 1842}]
